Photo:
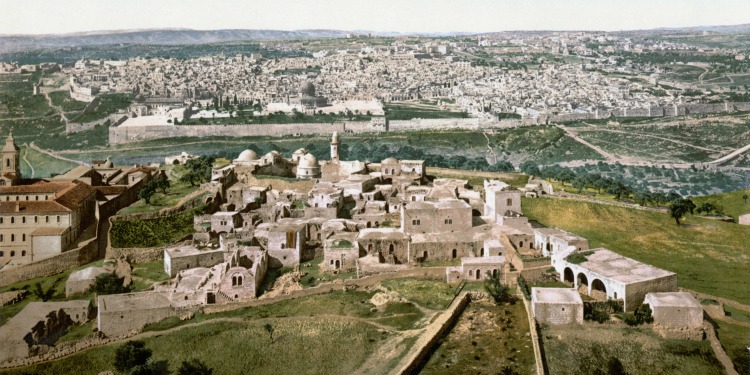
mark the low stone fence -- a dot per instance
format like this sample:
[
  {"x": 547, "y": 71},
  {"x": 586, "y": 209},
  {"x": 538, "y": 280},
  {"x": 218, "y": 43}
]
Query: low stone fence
[
  {"x": 59, "y": 351},
  {"x": 142, "y": 254},
  {"x": 540, "y": 361},
  {"x": 581, "y": 198},
  {"x": 425, "y": 344}
]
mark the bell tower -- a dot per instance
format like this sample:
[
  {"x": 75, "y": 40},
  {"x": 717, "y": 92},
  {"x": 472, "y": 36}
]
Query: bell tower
[
  {"x": 335, "y": 147},
  {"x": 11, "y": 172}
]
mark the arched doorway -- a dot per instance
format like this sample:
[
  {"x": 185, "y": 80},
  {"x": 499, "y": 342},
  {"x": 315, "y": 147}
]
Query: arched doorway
[
  {"x": 453, "y": 254},
  {"x": 477, "y": 274},
  {"x": 568, "y": 275},
  {"x": 583, "y": 280},
  {"x": 494, "y": 273},
  {"x": 424, "y": 255},
  {"x": 390, "y": 249},
  {"x": 337, "y": 264}
]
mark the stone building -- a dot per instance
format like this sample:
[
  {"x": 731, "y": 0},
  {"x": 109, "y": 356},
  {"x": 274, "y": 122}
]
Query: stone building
[
  {"x": 286, "y": 244},
  {"x": 226, "y": 222},
  {"x": 389, "y": 245},
  {"x": 308, "y": 167},
  {"x": 476, "y": 268},
  {"x": 744, "y": 219},
  {"x": 43, "y": 219},
  {"x": 435, "y": 217},
  {"x": 675, "y": 310},
  {"x": 341, "y": 251},
  {"x": 11, "y": 168},
  {"x": 556, "y": 306},
  {"x": 605, "y": 274},
  {"x": 553, "y": 240},
  {"x": 187, "y": 257},
  {"x": 120, "y": 314},
  {"x": 500, "y": 200}
]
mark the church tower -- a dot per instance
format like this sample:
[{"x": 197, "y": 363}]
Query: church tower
[
  {"x": 11, "y": 168},
  {"x": 335, "y": 147}
]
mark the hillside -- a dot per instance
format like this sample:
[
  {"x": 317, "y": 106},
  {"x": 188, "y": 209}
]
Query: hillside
[{"x": 707, "y": 255}]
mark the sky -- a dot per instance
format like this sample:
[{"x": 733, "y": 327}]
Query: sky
[{"x": 66, "y": 16}]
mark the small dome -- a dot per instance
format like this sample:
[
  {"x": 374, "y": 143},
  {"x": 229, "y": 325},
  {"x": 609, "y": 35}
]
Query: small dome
[
  {"x": 301, "y": 151},
  {"x": 108, "y": 163},
  {"x": 309, "y": 161},
  {"x": 389, "y": 161},
  {"x": 307, "y": 89},
  {"x": 247, "y": 155}
]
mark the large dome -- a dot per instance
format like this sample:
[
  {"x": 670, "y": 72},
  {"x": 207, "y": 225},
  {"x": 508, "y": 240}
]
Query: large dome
[
  {"x": 389, "y": 161},
  {"x": 309, "y": 161},
  {"x": 307, "y": 89},
  {"x": 247, "y": 155}
]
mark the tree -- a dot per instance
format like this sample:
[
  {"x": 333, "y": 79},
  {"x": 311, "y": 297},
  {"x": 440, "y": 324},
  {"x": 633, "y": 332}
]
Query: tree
[
  {"x": 147, "y": 191},
  {"x": 497, "y": 290},
  {"x": 269, "y": 328},
  {"x": 162, "y": 183},
  {"x": 108, "y": 283},
  {"x": 194, "y": 367},
  {"x": 130, "y": 355},
  {"x": 744, "y": 198},
  {"x": 677, "y": 209},
  {"x": 46, "y": 295}
]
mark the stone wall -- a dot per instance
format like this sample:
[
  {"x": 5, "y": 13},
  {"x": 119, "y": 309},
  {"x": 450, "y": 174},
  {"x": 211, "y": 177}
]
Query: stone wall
[
  {"x": 53, "y": 265},
  {"x": 420, "y": 352}
]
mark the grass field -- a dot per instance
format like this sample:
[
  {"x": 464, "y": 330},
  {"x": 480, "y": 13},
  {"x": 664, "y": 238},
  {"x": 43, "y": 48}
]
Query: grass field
[
  {"x": 707, "y": 255},
  {"x": 177, "y": 190},
  {"x": 598, "y": 349},
  {"x": 44, "y": 165},
  {"x": 735, "y": 339},
  {"x": 408, "y": 111},
  {"x": 486, "y": 339},
  {"x": 300, "y": 346},
  {"x": 732, "y": 202},
  {"x": 64, "y": 101}
]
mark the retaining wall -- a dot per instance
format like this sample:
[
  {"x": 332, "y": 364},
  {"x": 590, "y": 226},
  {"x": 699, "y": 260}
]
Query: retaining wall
[{"x": 52, "y": 266}]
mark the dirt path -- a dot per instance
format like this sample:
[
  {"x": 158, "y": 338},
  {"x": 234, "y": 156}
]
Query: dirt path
[
  {"x": 50, "y": 153},
  {"x": 729, "y": 156},
  {"x": 492, "y": 152},
  {"x": 26, "y": 152},
  {"x": 610, "y": 158},
  {"x": 658, "y": 137}
]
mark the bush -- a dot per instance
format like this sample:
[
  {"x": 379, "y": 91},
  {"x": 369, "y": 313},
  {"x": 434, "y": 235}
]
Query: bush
[
  {"x": 578, "y": 258},
  {"x": 524, "y": 286},
  {"x": 194, "y": 367},
  {"x": 130, "y": 355},
  {"x": 108, "y": 283}
]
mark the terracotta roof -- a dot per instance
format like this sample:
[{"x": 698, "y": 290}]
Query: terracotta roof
[
  {"x": 32, "y": 207},
  {"x": 111, "y": 190},
  {"x": 73, "y": 197}
]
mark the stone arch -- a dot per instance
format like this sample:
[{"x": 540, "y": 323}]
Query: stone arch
[
  {"x": 568, "y": 275},
  {"x": 582, "y": 279},
  {"x": 477, "y": 274},
  {"x": 598, "y": 289}
]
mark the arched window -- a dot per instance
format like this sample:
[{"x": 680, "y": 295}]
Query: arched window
[
  {"x": 12, "y": 238},
  {"x": 12, "y": 253},
  {"x": 23, "y": 237},
  {"x": 2, "y": 254},
  {"x": 390, "y": 249},
  {"x": 453, "y": 253},
  {"x": 7, "y": 162},
  {"x": 23, "y": 253}
]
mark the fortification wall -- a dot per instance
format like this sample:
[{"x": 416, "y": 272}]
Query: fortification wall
[
  {"x": 120, "y": 134},
  {"x": 51, "y": 266}
]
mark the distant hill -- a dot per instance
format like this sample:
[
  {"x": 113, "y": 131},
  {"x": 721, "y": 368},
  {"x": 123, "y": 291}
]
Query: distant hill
[{"x": 10, "y": 43}]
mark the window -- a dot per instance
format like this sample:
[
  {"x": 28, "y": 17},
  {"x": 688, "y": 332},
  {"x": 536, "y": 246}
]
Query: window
[
  {"x": 415, "y": 222},
  {"x": 12, "y": 238},
  {"x": 509, "y": 202},
  {"x": 1, "y": 238},
  {"x": 23, "y": 253},
  {"x": 58, "y": 218},
  {"x": 23, "y": 237},
  {"x": 23, "y": 219},
  {"x": 12, "y": 219},
  {"x": 46, "y": 219},
  {"x": 448, "y": 221},
  {"x": 36, "y": 219},
  {"x": 2, "y": 254},
  {"x": 1, "y": 220}
]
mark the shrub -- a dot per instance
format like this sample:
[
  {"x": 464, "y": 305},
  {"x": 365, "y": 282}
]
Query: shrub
[
  {"x": 130, "y": 355},
  {"x": 108, "y": 283},
  {"x": 578, "y": 258}
]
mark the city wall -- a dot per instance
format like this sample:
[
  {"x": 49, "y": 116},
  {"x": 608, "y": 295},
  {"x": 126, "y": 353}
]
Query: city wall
[{"x": 125, "y": 134}]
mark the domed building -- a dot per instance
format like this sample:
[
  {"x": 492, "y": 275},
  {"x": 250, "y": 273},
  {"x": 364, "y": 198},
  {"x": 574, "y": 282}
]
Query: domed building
[
  {"x": 308, "y": 167},
  {"x": 307, "y": 97},
  {"x": 247, "y": 157},
  {"x": 298, "y": 155}
]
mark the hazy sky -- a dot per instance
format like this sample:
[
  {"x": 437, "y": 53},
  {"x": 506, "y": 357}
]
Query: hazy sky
[{"x": 63, "y": 16}]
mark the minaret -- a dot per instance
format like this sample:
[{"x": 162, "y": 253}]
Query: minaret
[
  {"x": 11, "y": 166},
  {"x": 335, "y": 147}
]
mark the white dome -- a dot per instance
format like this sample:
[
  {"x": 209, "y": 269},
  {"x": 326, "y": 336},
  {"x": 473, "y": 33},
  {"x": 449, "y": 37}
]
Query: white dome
[
  {"x": 309, "y": 161},
  {"x": 247, "y": 155},
  {"x": 389, "y": 161},
  {"x": 301, "y": 151}
]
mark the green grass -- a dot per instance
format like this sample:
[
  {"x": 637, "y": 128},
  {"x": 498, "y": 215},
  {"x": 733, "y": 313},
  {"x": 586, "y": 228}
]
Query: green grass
[
  {"x": 737, "y": 314},
  {"x": 108, "y": 104},
  {"x": 735, "y": 339},
  {"x": 146, "y": 274},
  {"x": 43, "y": 164},
  {"x": 152, "y": 232},
  {"x": 77, "y": 332},
  {"x": 707, "y": 255},
  {"x": 407, "y": 111},
  {"x": 732, "y": 202},
  {"x": 300, "y": 346},
  {"x": 591, "y": 349},
  {"x": 175, "y": 193},
  {"x": 432, "y": 294},
  {"x": 68, "y": 104}
]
